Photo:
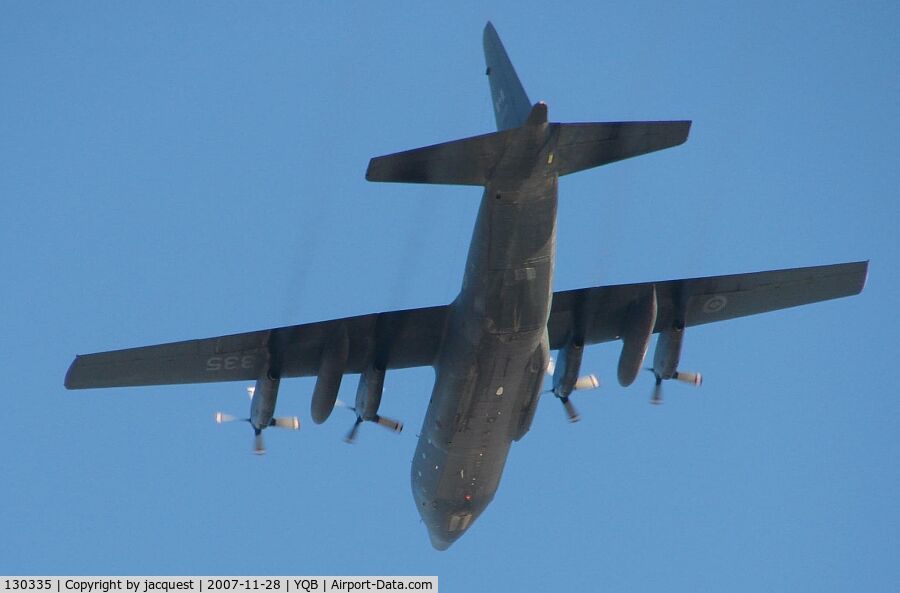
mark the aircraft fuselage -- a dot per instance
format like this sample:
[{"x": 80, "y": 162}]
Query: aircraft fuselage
[
  {"x": 490, "y": 347},
  {"x": 495, "y": 351}
]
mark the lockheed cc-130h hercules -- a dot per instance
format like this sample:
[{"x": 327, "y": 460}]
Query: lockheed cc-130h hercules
[{"x": 490, "y": 347}]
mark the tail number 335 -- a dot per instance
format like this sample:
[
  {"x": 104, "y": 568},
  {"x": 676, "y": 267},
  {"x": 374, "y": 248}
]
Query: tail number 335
[{"x": 215, "y": 364}]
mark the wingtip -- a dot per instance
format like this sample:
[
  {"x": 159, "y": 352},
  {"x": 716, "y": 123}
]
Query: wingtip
[
  {"x": 865, "y": 277},
  {"x": 68, "y": 382},
  {"x": 687, "y": 131}
]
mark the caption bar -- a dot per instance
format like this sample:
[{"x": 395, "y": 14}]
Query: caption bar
[{"x": 216, "y": 584}]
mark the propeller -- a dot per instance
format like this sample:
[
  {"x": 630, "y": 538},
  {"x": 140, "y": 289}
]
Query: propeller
[
  {"x": 389, "y": 423},
  {"x": 587, "y": 382},
  {"x": 351, "y": 436},
  {"x": 290, "y": 422},
  {"x": 583, "y": 383},
  {"x": 571, "y": 412},
  {"x": 259, "y": 445},
  {"x": 695, "y": 379},
  {"x": 657, "y": 392},
  {"x": 222, "y": 417}
]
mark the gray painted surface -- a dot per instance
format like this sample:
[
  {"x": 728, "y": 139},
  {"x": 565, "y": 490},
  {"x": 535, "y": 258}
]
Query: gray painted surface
[{"x": 490, "y": 347}]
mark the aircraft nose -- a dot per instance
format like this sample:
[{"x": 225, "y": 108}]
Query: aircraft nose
[
  {"x": 447, "y": 527},
  {"x": 447, "y": 519},
  {"x": 441, "y": 538},
  {"x": 438, "y": 542}
]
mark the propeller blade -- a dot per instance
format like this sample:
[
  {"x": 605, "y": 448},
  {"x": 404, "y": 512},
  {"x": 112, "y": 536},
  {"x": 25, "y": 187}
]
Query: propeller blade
[
  {"x": 571, "y": 412},
  {"x": 220, "y": 418},
  {"x": 259, "y": 445},
  {"x": 339, "y": 403},
  {"x": 657, "y": 392},
  {"x": 291, "y": 422},
  {"x": 587, "y": 382},
  {"x": 695, "y": 379},
  {"x": 389, "y": 423},
  {"x": 351, "y": 436}
]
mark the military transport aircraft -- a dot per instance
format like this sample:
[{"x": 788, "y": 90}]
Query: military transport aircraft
[{"x": 490, "y": 347}]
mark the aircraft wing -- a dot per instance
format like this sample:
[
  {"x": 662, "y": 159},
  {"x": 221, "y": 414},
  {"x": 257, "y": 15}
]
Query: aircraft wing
[
  {"x": 600, "y": 313},
  {"x": 412, "y": 337},
  {"x": 398, "y": 339}
]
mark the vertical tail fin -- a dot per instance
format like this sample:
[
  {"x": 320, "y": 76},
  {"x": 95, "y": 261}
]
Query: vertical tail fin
[{"x": 511, "y": 104}]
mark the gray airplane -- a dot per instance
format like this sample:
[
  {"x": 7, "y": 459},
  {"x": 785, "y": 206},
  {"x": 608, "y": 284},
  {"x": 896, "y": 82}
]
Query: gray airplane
[{"x": 490, "y": 347}]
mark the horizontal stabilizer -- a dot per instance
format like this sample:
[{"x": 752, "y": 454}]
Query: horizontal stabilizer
[
  {"x": 587, "y": 145},
  {"x": 472, "y": 161},
  {"x": 469, "y": 161}
]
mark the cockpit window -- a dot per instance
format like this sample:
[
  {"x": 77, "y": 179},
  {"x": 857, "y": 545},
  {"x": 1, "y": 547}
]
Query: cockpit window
[{"x": 459, "y": 521}]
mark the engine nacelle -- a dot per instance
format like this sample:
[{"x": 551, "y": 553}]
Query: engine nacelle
[
  {"x": 666, "y": 359},
  {"x": 568, "y": 365},
  {"x": 636, "y": 335},
  {"x": 262, "y": 407},
  {"x": 331, "y": 372},
  {"x": 668, "y": 352},
  {"x": 368, "y": 393}
]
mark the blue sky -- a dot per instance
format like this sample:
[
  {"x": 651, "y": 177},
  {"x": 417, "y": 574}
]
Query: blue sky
[{"x": 173, "y": 171}]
